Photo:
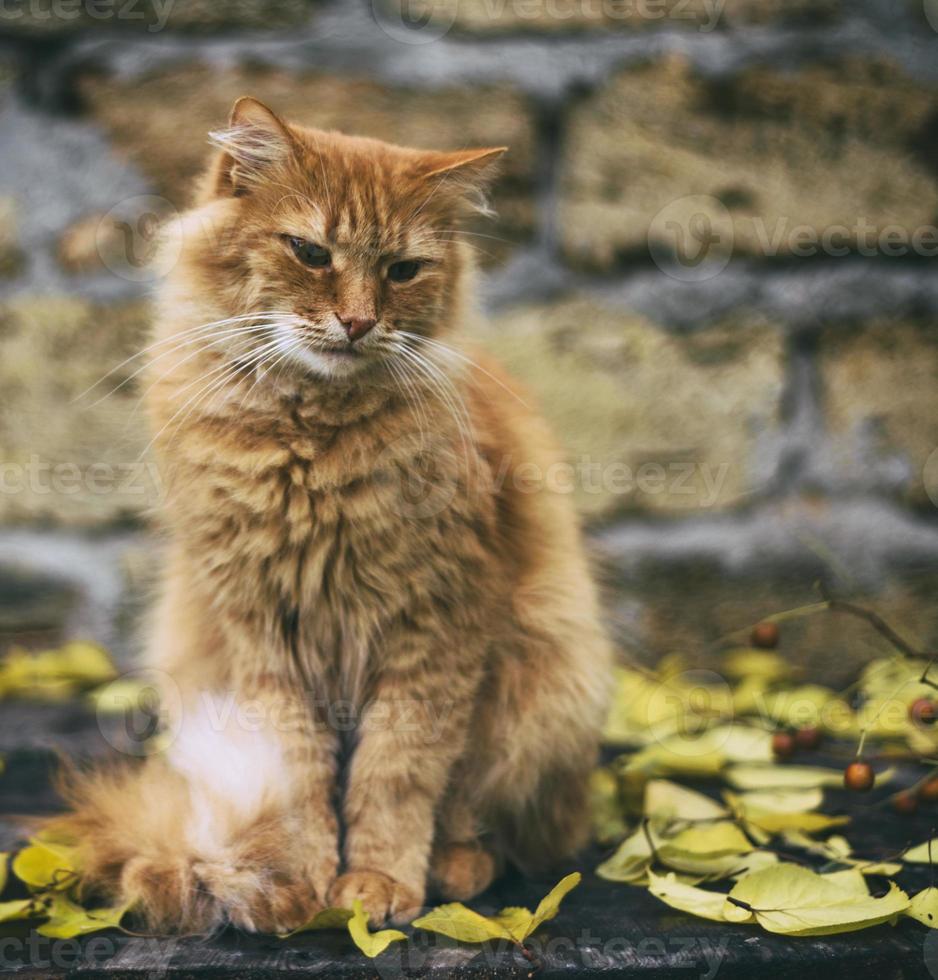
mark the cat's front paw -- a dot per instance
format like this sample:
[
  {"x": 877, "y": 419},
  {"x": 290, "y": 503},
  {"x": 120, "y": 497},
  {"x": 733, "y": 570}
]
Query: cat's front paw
[{"x": 381, "y": 896}]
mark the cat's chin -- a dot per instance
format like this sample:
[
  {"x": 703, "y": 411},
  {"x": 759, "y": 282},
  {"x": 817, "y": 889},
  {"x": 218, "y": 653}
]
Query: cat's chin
[{"x": 338, "y": 364}]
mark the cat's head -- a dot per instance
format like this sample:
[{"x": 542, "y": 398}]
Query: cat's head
[{"x": 349, "y": 244}]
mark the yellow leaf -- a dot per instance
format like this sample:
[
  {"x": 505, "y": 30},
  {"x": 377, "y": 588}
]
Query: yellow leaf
[
  {"x": 372, "y": 944},
  {"x": 631, "y": 860},
  {"x": 549, "y": 905},
  {"x": 838, "y": 849},
  {"x": 606, "y": 807},
  {"x": 67, "y": 920},
  {"x": 775, "y": 811},
  {"x": 795, "y": 901},
  {"x": 704, "y": 754},
  {"x": 666, "y": 801},
  {"x": 687, "y": 898},
  {"x": 746, "y": 663},
  {"x": 330, "y": 918},
  {"x": 20, "y": 908},
  {"x": 85, "y": 663},
  {"x": 515, "y": 924},
  {"x": 44, "y": 864},
  {"x": 4, "y": 857},
  {"x": 926, "y": 853},
  {"x": 725, "y": 866},
  {"x": 463, "y": 924},
  {"x": 783, "y": 777},
  {"x": 924, "y": 908},
  {"x": 708, "y": 840},
  {"x": 120, "y": 696}
]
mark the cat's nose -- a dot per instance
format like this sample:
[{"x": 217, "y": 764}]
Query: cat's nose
[{"x": 356, "y": 327}]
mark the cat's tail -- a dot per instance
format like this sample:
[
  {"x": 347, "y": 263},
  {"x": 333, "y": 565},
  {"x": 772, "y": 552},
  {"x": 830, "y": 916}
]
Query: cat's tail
[{"x": 202, "y": 835}]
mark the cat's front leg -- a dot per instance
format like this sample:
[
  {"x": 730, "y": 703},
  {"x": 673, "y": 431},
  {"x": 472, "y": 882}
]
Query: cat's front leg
[{"x": 409, "y": 737}]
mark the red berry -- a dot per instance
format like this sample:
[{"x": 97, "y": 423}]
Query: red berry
[
  {"x": 929, "y": 791},
  {"x": 764, "y": 636},
  {"x": 859, "y": 777},
  {"x": 783, "y": 745},
  {"x": 808, "y": 738},
  {"x": 923, "y": 711},
  {"x": 905, "y": 803}
]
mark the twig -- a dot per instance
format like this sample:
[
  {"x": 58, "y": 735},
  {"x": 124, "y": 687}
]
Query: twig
[{"x": 874, "y": 619}]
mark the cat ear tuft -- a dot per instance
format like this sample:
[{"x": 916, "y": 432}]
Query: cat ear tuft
[
  {"x": 468, "y": 163},
  {"x": 469, "y": 172},
  {"x": 255, "y": 139}
]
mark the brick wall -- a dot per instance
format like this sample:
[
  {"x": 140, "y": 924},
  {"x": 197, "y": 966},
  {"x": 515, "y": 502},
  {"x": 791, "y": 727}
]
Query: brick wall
[{"x": 714, "y": 264}]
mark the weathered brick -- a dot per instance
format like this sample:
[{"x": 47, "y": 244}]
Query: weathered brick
[
  {"x": 780, "y": 159},
  {"x": 650, "y": 421},
  {"x": 11, "y": 257},
  {"x": 563, "y": 16},
  {"x": 162, "y": 120},
  {"x": 45, "y": 18},
  {"x": 64, "y": 460},
  {"x": 881, "y": 393},
  {"x": 699, "y": 609}
]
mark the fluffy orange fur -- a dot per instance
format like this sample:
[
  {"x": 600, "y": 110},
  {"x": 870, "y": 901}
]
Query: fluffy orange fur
[{"x": 379, "y": 626}]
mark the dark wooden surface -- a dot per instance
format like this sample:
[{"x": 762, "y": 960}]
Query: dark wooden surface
[{"x": 603, "y": 930}]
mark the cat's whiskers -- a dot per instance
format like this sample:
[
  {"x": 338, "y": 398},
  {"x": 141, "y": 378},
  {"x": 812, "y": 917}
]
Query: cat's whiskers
[
  {"x": 175, "y": 338},
  {"x": 411, "y": 394},
  {"x": 207, "y": 341},
  {"x": 447, "y": 392},
  {"x": 229, "y": 372},
  {"x": 446, "y": 349}
]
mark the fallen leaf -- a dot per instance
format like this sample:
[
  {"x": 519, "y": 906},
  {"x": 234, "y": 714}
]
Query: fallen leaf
[
  {"x": 44, "y": 864},
  {"x": 67, "y": 920},
  {"x": 666, "y": 801},
  {"x": 708, "y": 840},
  {"x": 372, "y": 944},
  {"x": 631, "y": 860},
  {"x": 924, "y": 908},
  {"x": 926, "y": 853},
  {"x": 4, "y": 860},
  {"x": 775, "y": 811},
  {"x": 747, "y": 663},
  {"x": 784, "y": 777},
  {"x": 329, "y": 918},
  {"x": 606, "y": 807},
  {"x": 515, "y": 924},
  {"x": 687, "y": 898},
  {"x": 795, "y": 901},
  {"x": 19, "y": 908}
]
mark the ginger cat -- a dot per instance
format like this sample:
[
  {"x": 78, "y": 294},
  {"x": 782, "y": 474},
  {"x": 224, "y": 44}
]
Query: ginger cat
[{"x": 386, "y": 671}]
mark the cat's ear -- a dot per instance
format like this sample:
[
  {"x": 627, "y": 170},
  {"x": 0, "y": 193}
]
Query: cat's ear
[
  {"x": 255, "y": 139},
  {"x": 468, "y": 172}
]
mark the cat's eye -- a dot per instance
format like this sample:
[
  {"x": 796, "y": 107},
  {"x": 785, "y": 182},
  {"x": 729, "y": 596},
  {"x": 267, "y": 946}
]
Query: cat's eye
[
  {"x": 403, "y": 271},
  {"x": 309, "y": 253}
]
